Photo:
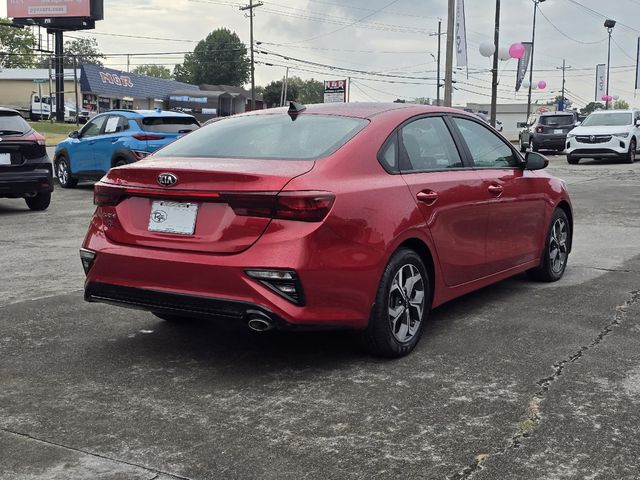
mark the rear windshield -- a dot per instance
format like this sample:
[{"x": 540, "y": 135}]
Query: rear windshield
[
  {"x": 169, "y": 124},
  {"x": 268, "y": 137},
  {"x": 556, "y": 120},
  {"x": 607, "y": 119},
  {"x": 13, "y": 124}
]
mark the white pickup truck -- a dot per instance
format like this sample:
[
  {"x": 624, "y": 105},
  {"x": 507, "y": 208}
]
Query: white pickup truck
[{"x": 44, "y": 108}]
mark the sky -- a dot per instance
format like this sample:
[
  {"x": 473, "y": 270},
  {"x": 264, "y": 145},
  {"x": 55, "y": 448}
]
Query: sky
[{"x": 390, "y": 45}]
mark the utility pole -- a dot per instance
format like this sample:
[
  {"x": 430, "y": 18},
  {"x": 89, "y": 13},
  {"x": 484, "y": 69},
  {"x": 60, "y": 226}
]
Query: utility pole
[
  {"x": 448, "y": 70},
  {"x": 494, "y": 81},
  {"x": 533, "y": 45},
  {"x": 438, "y": 87},
  {"x": 250, "y": 7},
  {"x": 563, "y": 68}
]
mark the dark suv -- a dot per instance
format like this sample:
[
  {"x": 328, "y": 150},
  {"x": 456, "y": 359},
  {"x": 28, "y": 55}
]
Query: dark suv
[
  {"x": 25, "y": 169},
  {"x": 546, "y": 131}
]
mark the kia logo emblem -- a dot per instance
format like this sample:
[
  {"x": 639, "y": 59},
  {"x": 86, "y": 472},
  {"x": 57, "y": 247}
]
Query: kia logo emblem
[{"x": 167, "y": 179}]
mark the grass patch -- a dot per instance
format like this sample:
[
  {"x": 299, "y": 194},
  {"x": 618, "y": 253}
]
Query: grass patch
[{"x": 53, "y": 132}]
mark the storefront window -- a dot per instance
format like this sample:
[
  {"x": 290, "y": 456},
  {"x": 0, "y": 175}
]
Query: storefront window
[{"x": 104, "y": 104}]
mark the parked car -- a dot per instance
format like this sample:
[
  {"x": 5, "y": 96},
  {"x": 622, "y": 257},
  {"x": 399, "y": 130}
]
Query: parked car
[
  {"x": 363, "y": 216},
  {"x": 605, "y": 134},
  {"x": 25, "y": 169},
  {"x": 486, "y": 118},
  {"x": 44, "y": 108},
  {"x": 546, "y": 131},
  {"x": 116, "y": 138}
]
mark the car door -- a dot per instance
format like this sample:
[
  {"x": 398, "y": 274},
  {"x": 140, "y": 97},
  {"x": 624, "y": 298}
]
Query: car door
[
  {"x": 516, "y": 202},
  {"x": 107, "y": 143},
  {"x": 81, "y": 153},
  {"x": 448, "y": 194}
]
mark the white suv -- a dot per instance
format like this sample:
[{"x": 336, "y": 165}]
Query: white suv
[{"x": 605, "y": 134}]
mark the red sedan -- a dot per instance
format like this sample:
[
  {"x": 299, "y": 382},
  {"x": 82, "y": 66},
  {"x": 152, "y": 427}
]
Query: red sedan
[{"x": 339, "y": 215}]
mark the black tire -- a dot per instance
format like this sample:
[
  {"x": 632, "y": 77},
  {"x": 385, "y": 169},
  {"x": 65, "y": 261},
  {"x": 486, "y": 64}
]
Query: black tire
[
  {"x": 63, "y": 172},
  {"x": 556, "y": 250},
  {"x": 572, "y": 160},
  {"x": 631, "y": 154},
  {"x": 385, "y": 337},
  {"x": 120, "y": 162},
  {"x": 523, "y": 148},
  {"x": 40, "y": 202},
  {"x": 172, "y": 318}
]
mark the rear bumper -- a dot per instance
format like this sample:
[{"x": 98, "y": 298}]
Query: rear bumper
[
  {"x": 549, "y": 141},
  {"x": 21, "y": 182}
]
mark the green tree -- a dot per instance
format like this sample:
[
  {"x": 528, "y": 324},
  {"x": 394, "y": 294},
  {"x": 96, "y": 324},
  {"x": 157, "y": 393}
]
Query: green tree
[
  {"x": 590, "y": 107},
  {"x": 158, "y": 71},
  {"x": 620, "y": 104},
  {"x": 16, "y": 46},
  {"x": 86, "y": 51},
  {"x": 220, "y": 59},
  {"x": 309, "y": 91},
  {"x": 273, "y": 92}
]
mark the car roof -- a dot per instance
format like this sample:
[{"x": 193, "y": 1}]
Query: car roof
[
  {"x": 10, "y": 110},
  {"x": 364, "y": 110},
  {"x": 619, "y": 110},
  {"x": 546, "y": 114},
  {"x": 148, "y": 113}
]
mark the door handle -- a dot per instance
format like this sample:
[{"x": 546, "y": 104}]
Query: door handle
[
  {"x": 496, "y": 190},
  {"x": 427, "y": 196}
]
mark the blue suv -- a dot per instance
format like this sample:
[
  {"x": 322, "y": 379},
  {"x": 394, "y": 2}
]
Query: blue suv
[{"x": 116, "y": 138}]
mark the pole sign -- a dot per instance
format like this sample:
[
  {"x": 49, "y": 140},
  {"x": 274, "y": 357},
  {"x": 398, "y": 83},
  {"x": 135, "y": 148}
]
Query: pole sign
[
  {"x": 461, "y": 35},
  {"x": 523, "y": 64},
  {"x": 48, "y": 8},
  {"x": 601, "y": 81},
  {"x": 335, "y": 91}
]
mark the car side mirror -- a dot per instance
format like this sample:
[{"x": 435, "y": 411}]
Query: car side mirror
[
  {"x": 535, "y": 161},
  {"x": 638, "y": 123},
  {"x": 74, "y": 134},
  {"x": 522, "y": 124}
]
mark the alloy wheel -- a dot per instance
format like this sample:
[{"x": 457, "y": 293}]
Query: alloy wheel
[
  {"x": 558, "y": 245},
  {"x": 63, "y": 172},
  {"x": 406, "y": 303}
]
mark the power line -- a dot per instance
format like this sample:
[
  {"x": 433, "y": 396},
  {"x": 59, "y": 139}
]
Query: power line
[{"x": 564, "y": 34}]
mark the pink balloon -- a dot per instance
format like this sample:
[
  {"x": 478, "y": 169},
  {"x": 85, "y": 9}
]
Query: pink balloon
[
  {"x": 516, "y": 50},
  {"x": 607, "y": 98},
  {"x": 542, "y": 84}
]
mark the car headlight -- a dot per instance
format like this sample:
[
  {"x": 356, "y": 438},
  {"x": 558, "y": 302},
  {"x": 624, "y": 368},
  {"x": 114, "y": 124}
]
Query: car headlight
[
  {"x": 621, "y": 135},
  {"x": 571, "y": 135}
]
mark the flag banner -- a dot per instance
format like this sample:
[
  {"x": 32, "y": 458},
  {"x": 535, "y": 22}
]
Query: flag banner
[
  {"x": 523, "y": 64},
  {"x": 601, "y": 81},
  {"x": 638, "y": 65},
  {"x": 461, "y": 35}
]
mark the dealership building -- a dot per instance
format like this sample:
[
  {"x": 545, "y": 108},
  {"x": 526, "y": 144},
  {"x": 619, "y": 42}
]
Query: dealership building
[{"x": 101, "y": 89}]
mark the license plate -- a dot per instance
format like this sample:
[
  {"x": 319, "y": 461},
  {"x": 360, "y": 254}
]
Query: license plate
[
  {"x": 173, "y": 217},
  {"x": 5, "y": 159},
  {"x": 558, "y": 130}
]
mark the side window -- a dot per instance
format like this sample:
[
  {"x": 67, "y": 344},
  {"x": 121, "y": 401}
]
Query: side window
[
  {"x": 487, "y": 149},
  {"x": 123, "y": 124},
  {"x": 388, "y": 156},
  {"x": 428, "y": 145},
  {"x": 112, "y": 124},
  {"x": 93, "y": 128}
]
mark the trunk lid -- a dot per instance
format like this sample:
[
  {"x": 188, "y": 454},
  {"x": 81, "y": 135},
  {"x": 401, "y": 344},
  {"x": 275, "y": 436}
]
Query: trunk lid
[{"x": 211, "y": 201}]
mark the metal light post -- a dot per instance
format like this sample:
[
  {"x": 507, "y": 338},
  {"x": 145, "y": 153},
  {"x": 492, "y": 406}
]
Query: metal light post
[
  {"x": 533, "y": 44},
  {"x": 609, "y": 24}
]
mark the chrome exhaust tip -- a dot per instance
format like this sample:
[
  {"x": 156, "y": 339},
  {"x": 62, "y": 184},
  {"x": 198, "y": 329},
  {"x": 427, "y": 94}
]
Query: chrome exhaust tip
[{"x": 259, "y": 322}]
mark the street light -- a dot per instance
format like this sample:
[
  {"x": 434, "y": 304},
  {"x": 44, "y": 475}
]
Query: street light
[
  {"x": 533, "y": 43},
  {"x": 608, "y": 24}
]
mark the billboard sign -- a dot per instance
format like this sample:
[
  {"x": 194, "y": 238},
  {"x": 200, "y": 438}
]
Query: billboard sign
[
  {"x": 48, "y": 8},
  {"x": 335, "y": 91}
]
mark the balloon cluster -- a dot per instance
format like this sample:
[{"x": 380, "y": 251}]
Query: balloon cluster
[
  {"x": 608, "y": 98},
  {"x": 516, "y": 50}
]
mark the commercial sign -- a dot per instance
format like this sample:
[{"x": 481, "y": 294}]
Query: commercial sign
[
  {"x": 523, "y": 64},
  {"x": 601, "y": 81},
  {"x": 335, "y": 91},
  {"x": 48, "y": 8},
  {"x": 461, "y": 35},
  {"x": 120, "y": 80}
]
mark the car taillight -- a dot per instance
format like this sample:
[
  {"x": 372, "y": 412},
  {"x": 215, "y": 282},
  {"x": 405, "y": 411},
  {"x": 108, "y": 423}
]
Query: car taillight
[
  {"x": 539, "y": 129},
  {"x": 147, "y": 136},
  {"x": 309, "y": 206},
  {"x": 106, "y": 195}
]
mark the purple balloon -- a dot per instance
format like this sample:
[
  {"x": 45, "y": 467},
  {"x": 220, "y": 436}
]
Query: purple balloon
[
  {"x": 516, "y": 50},
  {"x": 542, "y": 84}
]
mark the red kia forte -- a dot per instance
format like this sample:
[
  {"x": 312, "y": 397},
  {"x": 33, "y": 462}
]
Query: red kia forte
[{"x": 363, "y": 216}]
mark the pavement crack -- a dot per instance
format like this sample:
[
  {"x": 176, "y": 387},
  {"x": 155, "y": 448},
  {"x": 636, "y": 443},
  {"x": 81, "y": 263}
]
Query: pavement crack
[
  {"x": 533, "y": 415},
  {"x": 158, "y": 473}
]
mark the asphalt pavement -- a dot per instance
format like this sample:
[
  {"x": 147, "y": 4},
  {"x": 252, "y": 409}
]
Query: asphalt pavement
[{"x": 520, "y": 380}]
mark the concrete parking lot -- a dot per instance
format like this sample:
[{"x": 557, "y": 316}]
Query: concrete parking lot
[{"x": 517, "y": 381}]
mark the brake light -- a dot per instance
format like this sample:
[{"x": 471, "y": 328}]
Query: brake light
[
  {"x": 147, "y": 136},
  {"x": 539, "y": 129},
  {"x": 309, "y": 206},
  {"x": 105, "y": 195}
]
